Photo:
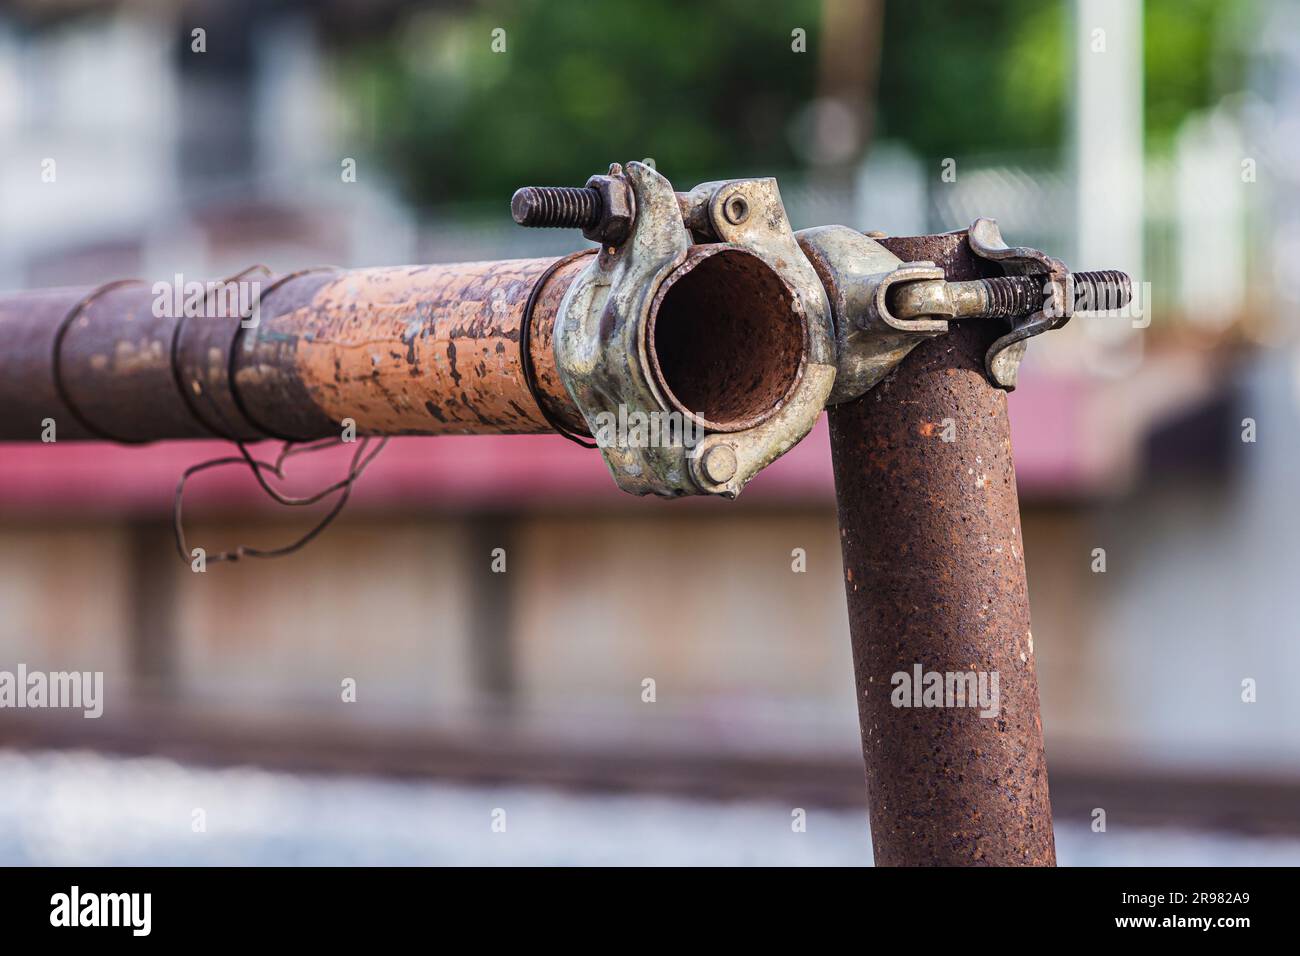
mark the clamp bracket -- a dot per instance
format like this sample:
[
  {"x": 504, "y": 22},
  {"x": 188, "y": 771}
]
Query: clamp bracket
[
  {"x": 605, "y": 347},
  {"x": 1003, "y": 358},
  {"x": 860, "y": 274}
]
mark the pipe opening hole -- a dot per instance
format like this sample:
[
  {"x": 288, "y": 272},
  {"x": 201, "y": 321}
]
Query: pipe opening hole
[{"x": 726, "y": 344}]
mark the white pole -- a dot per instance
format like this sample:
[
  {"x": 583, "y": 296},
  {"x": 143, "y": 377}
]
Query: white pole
[{"x": 1108, "y": 163}]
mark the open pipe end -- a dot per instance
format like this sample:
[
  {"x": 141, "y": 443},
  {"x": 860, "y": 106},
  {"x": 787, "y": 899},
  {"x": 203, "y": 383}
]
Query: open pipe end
[{"x": 726, "y": 342}]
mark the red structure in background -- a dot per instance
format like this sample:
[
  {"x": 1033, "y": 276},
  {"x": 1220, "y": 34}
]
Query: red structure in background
[{"x": 1051, "y": 448}]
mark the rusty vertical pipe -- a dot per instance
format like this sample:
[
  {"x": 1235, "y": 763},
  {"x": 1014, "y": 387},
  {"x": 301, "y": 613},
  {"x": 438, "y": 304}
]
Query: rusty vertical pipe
[{"x": 935, "y": 578}]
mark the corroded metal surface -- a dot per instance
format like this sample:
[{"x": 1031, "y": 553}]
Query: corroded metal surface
[
  {"x": 733, "y": 334},
  {"x": 724, "y": 340},
  {"x": 114, "y": 367},
  {"x": 934, "y": 573},
  {"x": 859, "y": 275},
  {"x": 1006, "y": 352},
  {"x": 417, "y": 350}
]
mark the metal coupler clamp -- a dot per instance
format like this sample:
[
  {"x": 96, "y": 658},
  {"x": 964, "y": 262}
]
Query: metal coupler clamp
[
  {"x": 861, "y": 275},
  {"x": 705, "y": 338},
  {"x": 698, "y": 343},
  {"x": 884, "y": 307}
]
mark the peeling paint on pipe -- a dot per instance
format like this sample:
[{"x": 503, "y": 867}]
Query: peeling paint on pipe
[{"x": 420, "y": 350}]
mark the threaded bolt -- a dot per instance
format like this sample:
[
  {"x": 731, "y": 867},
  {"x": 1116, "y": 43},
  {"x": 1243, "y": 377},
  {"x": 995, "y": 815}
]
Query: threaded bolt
[
  {"x": 1006, "y": 297},
  {"x": 1013, "y": 296},
  {"x": 556, "y": 207}
]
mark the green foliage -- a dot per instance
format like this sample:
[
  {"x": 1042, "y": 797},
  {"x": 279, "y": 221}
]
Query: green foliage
[
  {"x": 712, "y": 89},
  {"x": 994, "y": 75},
  {"x": 1194, "y": 55},
  {"x": 974, "y": 76},
  {"x": 704, "y": 89}
]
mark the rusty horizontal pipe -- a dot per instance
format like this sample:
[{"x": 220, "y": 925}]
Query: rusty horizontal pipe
[
  {"x": 423, "y": 350},
  {"x": 418, "y": 350},
  {"x": 935, "y": 577}
]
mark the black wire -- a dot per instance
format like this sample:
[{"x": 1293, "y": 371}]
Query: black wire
[
  {"x": 290, "y": 448},
  {"x": 525, "y": 350},
  {"x": 233, "y": 354},
  {"x": 360, "y": 461},
  {"x": 178, "y": 332}
]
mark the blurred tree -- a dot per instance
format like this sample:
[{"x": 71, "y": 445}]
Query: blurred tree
[
  {"x": 1195, "y": 53},
  {"x": 973, "y": 76},
  {"x": 717, "y": 89},
  {"x": 994, "y": 75},
  {"x": 703, "y": 89}
]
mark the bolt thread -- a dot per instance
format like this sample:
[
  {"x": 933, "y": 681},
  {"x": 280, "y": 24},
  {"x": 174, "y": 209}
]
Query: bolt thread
[
  {"x": 1103, "y": 290},
  {"x": 556, "y": 207},
  {"x": 1012, "y": 296}
]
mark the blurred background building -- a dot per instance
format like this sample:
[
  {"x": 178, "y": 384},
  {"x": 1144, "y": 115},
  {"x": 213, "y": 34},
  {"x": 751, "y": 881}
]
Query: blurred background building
[{"x": 204, "y": 137}]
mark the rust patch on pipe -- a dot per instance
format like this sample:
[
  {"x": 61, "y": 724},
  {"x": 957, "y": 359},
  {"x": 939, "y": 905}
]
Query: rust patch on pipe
[
  {"x": 266, "y": 385},
  {"x": 418, "y": 350},
  {"x": 421, "y": 350},
  {"x": 725, "y": 342},
  {"x": 934, "y": 574}
]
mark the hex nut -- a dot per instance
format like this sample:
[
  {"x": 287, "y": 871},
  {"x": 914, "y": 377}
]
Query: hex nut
[{"x": 617, "y": 210}]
